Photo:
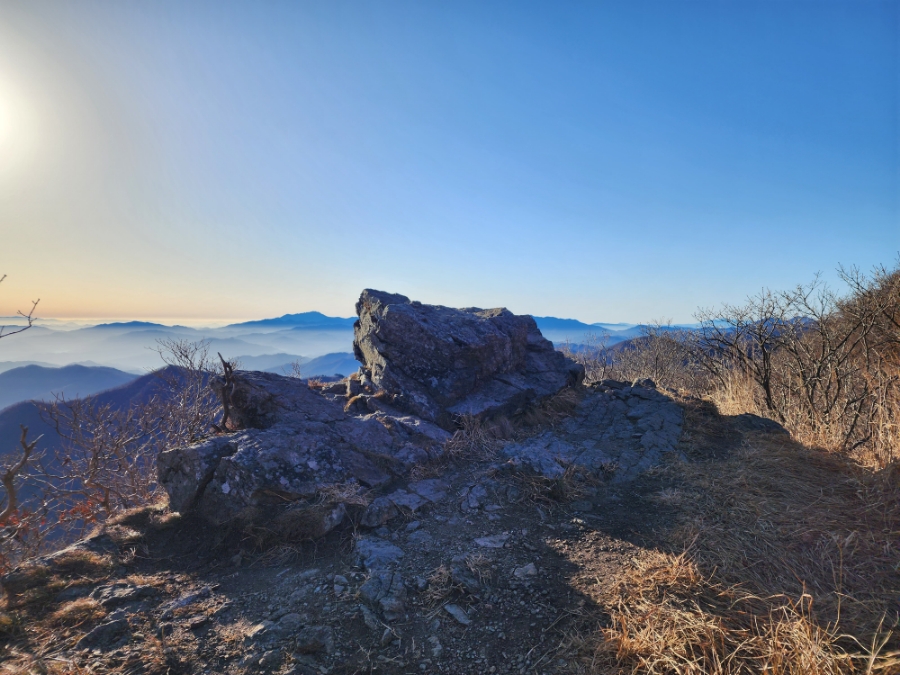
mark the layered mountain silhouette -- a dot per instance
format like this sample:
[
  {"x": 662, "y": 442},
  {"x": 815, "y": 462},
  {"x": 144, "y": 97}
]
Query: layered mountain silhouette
[{"x": 35, "y": 382}]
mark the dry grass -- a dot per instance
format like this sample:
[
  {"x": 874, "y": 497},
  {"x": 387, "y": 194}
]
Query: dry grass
[
  {"x": 793, "y": 566},
  {"x": 77, "y": 612},
  {"x": 668, "y": 618},
  {"x": 440, "y": 586},
  {"x": 571, "y": 485},
  {"x": 473, "y": 440}
]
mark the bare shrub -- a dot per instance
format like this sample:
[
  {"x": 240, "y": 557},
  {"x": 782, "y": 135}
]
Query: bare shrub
[
  {"x": 106, "y": 462},
  {"x": 664, "y": 353},
  {"x": 824, "y": 365},
  {"x": 593, "y": 355},
  {"x": 29, "y": 318}
]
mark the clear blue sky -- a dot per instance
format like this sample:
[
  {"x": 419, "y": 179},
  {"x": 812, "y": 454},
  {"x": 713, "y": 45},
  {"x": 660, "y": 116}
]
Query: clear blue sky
[{"x": 608, "y": 161}]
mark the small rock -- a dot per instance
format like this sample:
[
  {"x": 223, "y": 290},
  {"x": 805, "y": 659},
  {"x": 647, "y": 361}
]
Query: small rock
[
  {"x": 528, "y": 570},
  {"x": 458, "y": 613},
  {"x": 258, "y": 632},
  {"x": 290, "y": 622},
  {"x": 103, "y": 635},
  {"x": 386, "y": 590},
  {"x": 408, "y": 500},
  {"x": 377, "y": 553},
  {"x": 493, "y": 541},
  {"x": 314, "y": 639},
  {"x": 380, "y": 511},
  {"x": 197, "y": 621},
  {"x": 369, "y": 618},
  {"x": 387, "y": 637},
  {"x": 420, "y": 538},
  {"x": 270, "y": 658}
]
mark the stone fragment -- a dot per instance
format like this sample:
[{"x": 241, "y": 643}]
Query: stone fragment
[
  {"x": 432, "y": 489},
  {"x": 102, "y": 637},
  {"x": 493, "y": 541},
  {"x": 314, "y": 639},
  {"x": 528, "y": 570},
  {"x": 407, "y": 500},
  {"x": 369, "y": 618},
  {"x": 458, "y": 613},
  {"x": 120, "y": 593},
  {"x": 387, "y": 591},
  {"x": 376, "y": 553},
  {"x": 290, "y": 622},
  {"x": 197, "y": 621},
  {"x": 380, "y": 511}
]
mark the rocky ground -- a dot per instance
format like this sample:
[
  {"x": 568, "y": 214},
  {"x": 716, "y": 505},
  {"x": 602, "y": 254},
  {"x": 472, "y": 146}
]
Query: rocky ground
[{"x": 482, "y": 563}]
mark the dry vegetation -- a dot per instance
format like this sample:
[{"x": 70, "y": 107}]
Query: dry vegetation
[
  {"x": 787, "y": 554},
  {"x": 106, "y": 460}
]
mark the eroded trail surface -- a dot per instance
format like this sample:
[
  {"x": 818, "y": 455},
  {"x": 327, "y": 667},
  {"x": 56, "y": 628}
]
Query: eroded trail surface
[{"x": 484, "y": 564}]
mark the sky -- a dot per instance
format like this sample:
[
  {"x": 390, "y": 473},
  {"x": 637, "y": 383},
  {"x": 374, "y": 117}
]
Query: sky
[{"x": 605, "y": 161}]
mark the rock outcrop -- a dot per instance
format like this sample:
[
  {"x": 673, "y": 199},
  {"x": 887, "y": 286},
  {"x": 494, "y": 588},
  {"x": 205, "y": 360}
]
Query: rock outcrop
[
  {"x": 440, "y": 363},
  {"x": 616, "y": 432},
  {"x": 288, "y": 443}
]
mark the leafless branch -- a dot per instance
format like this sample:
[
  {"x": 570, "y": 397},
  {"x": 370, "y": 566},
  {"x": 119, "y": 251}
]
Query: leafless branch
[{"x": 29, "y": 318}]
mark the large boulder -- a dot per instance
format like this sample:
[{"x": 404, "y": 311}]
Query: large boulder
[
  {"x": 441, "y": 363},
  {"x": 287, "y": 443}
]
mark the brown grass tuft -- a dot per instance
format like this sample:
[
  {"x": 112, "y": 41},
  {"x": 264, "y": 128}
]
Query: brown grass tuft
[{"x": 77, "y": 612}]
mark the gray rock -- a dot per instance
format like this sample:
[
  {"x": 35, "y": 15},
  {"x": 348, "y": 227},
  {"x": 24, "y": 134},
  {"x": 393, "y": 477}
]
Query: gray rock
[
  {"x": 432, "y": 489},
  {"x": 407, "y": 500},
  {"x": 290, "y": 622},
  {"x": 386, "y": 591},
  {"x": 458, "y": 613},
  {"x": 380, "y": 511},
  {"x": 102, "y": 636},
  {"x": 439, "y": 363},
  {"x": 493, "y": 541},
  {"x": 260, "y": 633},
  {"x": 121, "y": 592},
  {"x": 475, "y": 498},
  {"x": 462, "y": 576},
  {"x": 420, "y": 538},
  {"x": 287, "y": 443},
  {"x": 376, "y": 553},
  {"x": 314, "y": 639},
  {"x": 528, "y": 570},
  {"x": 369, "y": 618},
  {"x": 616, "y": 432}
]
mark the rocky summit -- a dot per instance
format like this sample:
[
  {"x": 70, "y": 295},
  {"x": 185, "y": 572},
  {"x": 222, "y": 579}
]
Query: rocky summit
[
  {"x": 449, "y": 508},
  {"x": 425, "y": 369},
  {"x": 441, "y": 363}
]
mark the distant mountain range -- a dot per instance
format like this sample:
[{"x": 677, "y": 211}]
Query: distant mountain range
[
  {"x": 34, "y": 382},
  {"x": 42, "y": 361},
  {"x": 305, "y": 320},
  {"x": 40, "y": 383},
  {"x": 560, "y": 331}
]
